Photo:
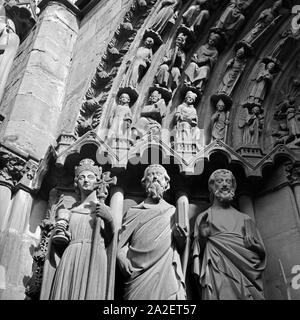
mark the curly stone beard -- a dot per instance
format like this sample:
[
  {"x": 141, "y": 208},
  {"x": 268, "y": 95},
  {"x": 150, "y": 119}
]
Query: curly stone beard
[
  {"x": 224, "y": 196},
  {"x": 155, "y": 190}
]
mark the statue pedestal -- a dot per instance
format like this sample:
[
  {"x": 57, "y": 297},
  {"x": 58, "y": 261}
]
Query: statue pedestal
[{"x": 250, "y": 151}]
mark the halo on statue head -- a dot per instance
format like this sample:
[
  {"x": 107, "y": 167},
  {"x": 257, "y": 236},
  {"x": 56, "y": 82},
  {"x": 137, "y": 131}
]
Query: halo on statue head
[
  {"x": 165, "y": 93},
  {"x": 215, "y": 98},
  {"x": 133, "y": 94}
]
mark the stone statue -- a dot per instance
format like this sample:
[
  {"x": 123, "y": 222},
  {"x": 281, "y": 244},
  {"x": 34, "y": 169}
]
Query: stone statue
[
  {"x": 266, "y": 19},
  {"x": 196, "y": 14},
  {"x": 173, "y": 62},
  {"x": 9, "y": 44},
  {"x": 73, "y": 274},
  {"x": 232, "y": 18},
  {"x": 167, "y": 11},
  {"x": 186, "y": 121},
  {"x": 139, "y": 63},
  {"x": 121, "y": 118},
  {"x": 228, "y": 255},
  {"x": 281, "y": 135},
  {"x": 219, "y": 121},
  {"x": 261, "y": 83},
  {"x": 235, "y": 67},
  {"x": 252, "y": 124},
  {"x": 152, "y": 114},
  {"x": 149, "y": 243},
  {"x": 198, "y": 71},
  {"x": 291, "y": 112}
]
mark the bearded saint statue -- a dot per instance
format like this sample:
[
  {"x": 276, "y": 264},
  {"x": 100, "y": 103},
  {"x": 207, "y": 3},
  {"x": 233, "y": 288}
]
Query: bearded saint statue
[
  {"x": 148, "y": 253},
  {"x": 228, "y": 255}
]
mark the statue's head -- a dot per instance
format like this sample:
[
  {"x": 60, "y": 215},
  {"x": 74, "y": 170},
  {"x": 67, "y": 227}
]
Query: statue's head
[
  {"x": 87, "y": 174},
  {"x": 270, "y": 66},
  {"x": 222, "y": 185},
  {"x": 220, "y": 105},
  {"x": 190, "y": 97},
  {"x": 155, "y": 96},
  {"x": 240, "y": 53},
  {"x": 149, "y": 42},
  {"x": 124, "y": 98},
  {"x": 214, "y": 39},
  {"x": 292, "y": 100},
  {"x": 181, "y": 40},
  {"x": 277, "y": 5},
  {"x": 256, "y": 110},
  {"x": 156, "y": 181}
]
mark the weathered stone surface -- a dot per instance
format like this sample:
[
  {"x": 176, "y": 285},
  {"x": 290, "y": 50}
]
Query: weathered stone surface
[{"x": 36, "y": 108}]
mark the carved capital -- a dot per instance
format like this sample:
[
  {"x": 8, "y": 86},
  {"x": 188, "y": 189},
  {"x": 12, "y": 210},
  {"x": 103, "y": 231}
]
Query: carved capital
[
  {"x": 293, "y": 173},
  {"x": 11, "y": 168}
]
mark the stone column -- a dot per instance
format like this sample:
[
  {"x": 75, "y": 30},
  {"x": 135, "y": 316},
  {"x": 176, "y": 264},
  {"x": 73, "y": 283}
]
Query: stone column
[
  {"x": 38, "y": 79},
  {"x": 5, "y": 200},
  {"x": 116, "y": 204},
  {"x": 20, "y": 211},
  {"x": 294, "y": 179},
  {"x": 182, "y": 205}
]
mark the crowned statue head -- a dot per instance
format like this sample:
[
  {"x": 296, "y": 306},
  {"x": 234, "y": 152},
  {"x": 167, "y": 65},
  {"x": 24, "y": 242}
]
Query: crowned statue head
[
  {"x": 87, "y": 175},
  {"x": 156, "y": 181},
  {"x": 222, "y": 186}
]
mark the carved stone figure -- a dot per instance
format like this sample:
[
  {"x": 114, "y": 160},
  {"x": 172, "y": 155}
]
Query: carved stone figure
[
  {"x": 219, "y": 121},
  {"x": 152, "y": 114},
  {"x": 235, "y": 67},
  {"x": 139, "y": 63},
  {"x": 74, "y": 275},
  {"x": 228, "y": 252},
  {"x": 198, "y": 71},
  {"x": 232, "y": 18},
  {"x": 196, "y": 14},
  {"x": 166, "y": 12},
  {"x": 266, "y": 19},
  {"x": 252, "y": 124},
  {"x": 121, "y": 118},
  {"x": 281, "y": 135},
  {"x": 148, "y": 246},
  {"x": 291, "y": 112},
  {"x": 261, "y": 83},
  {"x": 186, "y": 121},
  {"x": 9, "y": 43},
  {"x": 173, "y": 62}
]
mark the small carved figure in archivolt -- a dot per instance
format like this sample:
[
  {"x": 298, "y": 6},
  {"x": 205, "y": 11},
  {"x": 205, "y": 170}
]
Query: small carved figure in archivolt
[
  {"x": 139, "y": 64},
  {"x": 167, "y": 11},
  {"x": 198, "y": 71},
  {"x": 151, "y": 115},
  {"x": 186, "y": 121},
  {"x": 173, "y": 62},
  {"x": 219, "y": 121},
  {"x": 252, "y": 125},
  {"x": 234, "y": 69},
  {"x": 232, "y": 18},
  {"x": 196, "y": 14},
  {"x": 262, "y": 82},
  {"x": 121, "y": 118},
  {"x": 268, "y": 18}
]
